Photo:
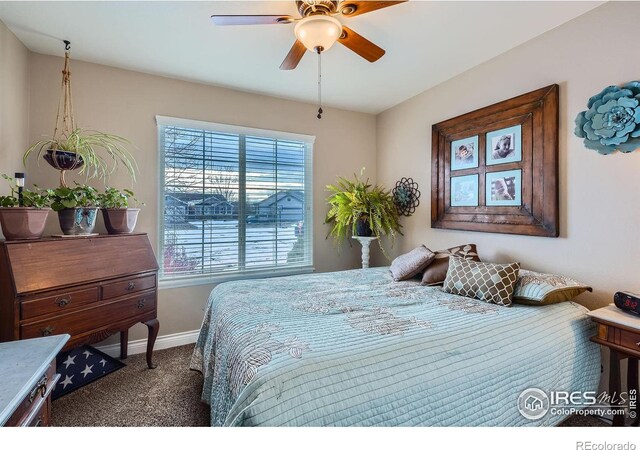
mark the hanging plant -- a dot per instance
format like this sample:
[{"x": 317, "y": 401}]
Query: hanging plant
[
  {"x": 612, "y": 121},
  {"x": 95, "y": 154}
]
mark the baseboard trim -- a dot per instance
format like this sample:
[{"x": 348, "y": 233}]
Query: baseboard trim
[{"x": 163, "y": 342}]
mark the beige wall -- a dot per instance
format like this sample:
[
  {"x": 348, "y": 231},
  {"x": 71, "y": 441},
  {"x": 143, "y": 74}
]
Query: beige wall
[
  {"x": 599, "y": 195},
  {"x": 126, "y": 103},
  {"x": 14, "y": 100}
]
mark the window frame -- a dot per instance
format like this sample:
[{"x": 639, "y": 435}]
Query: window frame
[{"x": 195, "y": 280}]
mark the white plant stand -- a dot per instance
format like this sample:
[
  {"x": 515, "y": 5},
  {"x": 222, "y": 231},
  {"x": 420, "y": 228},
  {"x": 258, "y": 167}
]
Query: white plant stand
[{"x": 365, "y": 242}]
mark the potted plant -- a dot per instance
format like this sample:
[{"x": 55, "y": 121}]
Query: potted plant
[
  {"x": 358, "y": 208},
  {"x": 118, "y": 217},
  {"x": 71, "y": 148},
  {"x": 81, "y": 149},
  {"x": 26, "y": 221},
  {"x": 77, "y": 208}
]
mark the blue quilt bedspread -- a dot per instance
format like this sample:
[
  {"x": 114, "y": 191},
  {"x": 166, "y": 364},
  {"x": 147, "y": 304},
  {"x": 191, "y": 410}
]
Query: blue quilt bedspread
[{"x": 355, "y": 348}]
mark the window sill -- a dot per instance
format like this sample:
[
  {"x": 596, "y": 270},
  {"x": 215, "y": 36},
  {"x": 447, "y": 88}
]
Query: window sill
[{"x": 180, "y": 282}]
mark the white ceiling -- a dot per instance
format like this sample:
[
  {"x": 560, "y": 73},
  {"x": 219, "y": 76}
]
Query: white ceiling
[{"x": 426, "y": 43}]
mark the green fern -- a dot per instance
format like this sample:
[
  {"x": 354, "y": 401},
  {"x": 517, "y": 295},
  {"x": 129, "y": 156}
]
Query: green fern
[{"x": 351, "y": 201}]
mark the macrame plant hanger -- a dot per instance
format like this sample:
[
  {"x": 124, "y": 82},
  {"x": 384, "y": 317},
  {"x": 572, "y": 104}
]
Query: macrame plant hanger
[{"x": 65, "y": 105}]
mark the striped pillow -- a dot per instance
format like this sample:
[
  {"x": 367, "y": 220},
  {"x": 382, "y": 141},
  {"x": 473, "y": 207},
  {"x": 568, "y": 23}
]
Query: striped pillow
[{"x": 534, "y": 288}]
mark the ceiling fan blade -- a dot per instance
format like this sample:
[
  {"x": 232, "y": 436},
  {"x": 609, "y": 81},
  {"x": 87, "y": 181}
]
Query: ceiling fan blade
[
  {"x": 251, "y": 20},
  {"x": 294, "y": 56},
  {"x": 363, "y": 47},
  {"x": 350, "y": 8}
]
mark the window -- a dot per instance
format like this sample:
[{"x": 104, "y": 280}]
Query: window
[{"x": 235, "y": 202}]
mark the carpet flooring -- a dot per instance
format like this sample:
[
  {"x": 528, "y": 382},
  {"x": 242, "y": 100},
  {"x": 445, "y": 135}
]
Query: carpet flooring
[
  {"x": 134, "y": 396},
  {"x": 168, "y": 396}
]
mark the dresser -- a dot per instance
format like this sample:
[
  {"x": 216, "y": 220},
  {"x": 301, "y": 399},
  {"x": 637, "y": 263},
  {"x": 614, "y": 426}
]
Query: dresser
[
  {"x": 28, "y": 374},
  {"x": 86, "y": 287}
]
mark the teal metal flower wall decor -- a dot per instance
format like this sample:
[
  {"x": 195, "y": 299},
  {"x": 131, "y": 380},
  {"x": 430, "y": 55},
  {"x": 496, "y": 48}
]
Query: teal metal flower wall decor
[
  {"x": 612, "y": 121},
  {"x": 406, "y": 196}
]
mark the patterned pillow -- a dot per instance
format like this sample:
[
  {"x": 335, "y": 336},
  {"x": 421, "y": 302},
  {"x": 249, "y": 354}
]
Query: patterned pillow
[
  {"x": 492, "y": 283},
  {"x": 533, "y": 288},
  {"x": 437, "y": 270},
  {"x": 410, "y": 264}
]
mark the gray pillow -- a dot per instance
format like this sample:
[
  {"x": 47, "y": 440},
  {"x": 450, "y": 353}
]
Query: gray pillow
[
  {"x": 410, "y": 264},
  {"x": 492, "y": 283}
]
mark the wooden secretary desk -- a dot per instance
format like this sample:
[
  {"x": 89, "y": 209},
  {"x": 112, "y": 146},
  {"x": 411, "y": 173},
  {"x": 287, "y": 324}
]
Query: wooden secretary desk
[{"x": 87, "y": 287}]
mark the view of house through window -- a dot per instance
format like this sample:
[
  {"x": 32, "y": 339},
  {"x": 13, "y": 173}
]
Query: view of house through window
[{"x": 234, "y": 200}]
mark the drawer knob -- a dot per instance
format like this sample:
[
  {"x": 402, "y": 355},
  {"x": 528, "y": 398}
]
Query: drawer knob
[
  {"x": 47, "y": 331},
  {"x": 41, "y": 387},
  {"x": 62, "y": 302},
  {"x": 141, "y": 303},
  {"x": 131, "y": 286}
]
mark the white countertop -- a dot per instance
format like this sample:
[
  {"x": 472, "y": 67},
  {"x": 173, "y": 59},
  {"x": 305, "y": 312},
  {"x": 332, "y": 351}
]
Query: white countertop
[
  {"x": 615, "y": 315},
  {"x": 22, "y": 364}
]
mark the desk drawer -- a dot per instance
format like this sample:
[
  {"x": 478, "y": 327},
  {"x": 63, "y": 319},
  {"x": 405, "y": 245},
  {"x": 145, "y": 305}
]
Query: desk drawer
[
  {"x": 34, "y": 406},
  {"x": 128, "y": 286},
  {"x": 629, "y": 340},
  {"x": 83, "y": 321},
  {"x": 39, "y": 417},
  {"x": 57, "y": 303}
]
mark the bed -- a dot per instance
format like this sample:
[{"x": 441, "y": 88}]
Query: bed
[{"x": 355, "y": 348}]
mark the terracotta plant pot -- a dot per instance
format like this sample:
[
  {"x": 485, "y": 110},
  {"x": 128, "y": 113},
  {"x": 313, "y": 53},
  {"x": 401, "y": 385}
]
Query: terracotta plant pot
[
  {"x": 78, "y": 221},
  {"x": 23, "y": 223},
  {"x": 120, "y": 220}
]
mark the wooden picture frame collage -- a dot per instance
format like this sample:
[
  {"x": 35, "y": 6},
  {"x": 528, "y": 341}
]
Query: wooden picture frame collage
[{"x": 496, "y": 169}]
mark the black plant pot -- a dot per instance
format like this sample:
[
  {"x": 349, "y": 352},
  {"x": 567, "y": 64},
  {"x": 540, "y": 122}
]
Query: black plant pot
[
  {"x": 62, "y": 160},
  {"x": 363, "y": 228}
]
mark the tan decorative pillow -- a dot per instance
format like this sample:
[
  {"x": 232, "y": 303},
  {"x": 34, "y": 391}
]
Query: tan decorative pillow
[
  {"x": 437, "y": 270},
  {"x": 534, "y": 288},
  {"x": 492, "y": 283},
  {"x": 410, "y": 264}
]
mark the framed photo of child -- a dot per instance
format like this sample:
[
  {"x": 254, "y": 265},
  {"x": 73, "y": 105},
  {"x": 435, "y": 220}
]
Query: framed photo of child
[
  {"x": 464, "y": 190},
  {"x": 464, "y": 153},
  {"x": 504, "y": 188},
  {"x": 504, "y": 146}
]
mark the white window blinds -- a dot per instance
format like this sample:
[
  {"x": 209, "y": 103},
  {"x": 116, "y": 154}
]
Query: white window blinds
[{"x": 233, "y": 200}]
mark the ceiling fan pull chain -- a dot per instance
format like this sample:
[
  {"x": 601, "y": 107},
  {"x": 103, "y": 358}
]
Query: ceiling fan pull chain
[{"x": 319, "y": 116}]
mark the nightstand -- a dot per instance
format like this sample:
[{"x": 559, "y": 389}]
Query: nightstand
[{"x": 620, "y": 332}]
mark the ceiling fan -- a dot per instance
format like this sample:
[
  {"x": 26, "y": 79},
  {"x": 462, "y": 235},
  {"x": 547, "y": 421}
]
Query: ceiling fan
[{"x": 318, "y": 28}]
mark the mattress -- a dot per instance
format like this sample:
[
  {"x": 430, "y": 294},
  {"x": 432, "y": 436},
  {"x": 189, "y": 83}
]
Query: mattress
[{"x": 355, "y": 348}]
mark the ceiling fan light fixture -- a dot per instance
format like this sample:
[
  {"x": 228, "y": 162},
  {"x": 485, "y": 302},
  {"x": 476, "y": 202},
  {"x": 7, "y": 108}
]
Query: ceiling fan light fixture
[{"x": 318, "y": 31}]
